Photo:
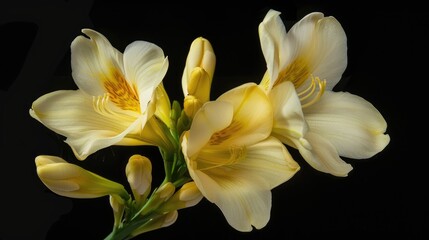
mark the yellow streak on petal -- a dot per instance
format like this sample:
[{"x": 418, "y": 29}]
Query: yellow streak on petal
[
  {"x": 120, "y": 92},
  {"x": 296, "y": 72},
  {"x": 220, "y": 136},
  {"x": 215, "y": 160}
]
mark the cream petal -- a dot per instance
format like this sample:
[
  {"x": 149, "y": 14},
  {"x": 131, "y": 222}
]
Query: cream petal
[
  {"x": 241, "y": 186},
  {"x": 243, "y": 202},
  {"x": 212, "y": 117},
  {"x": 253, "y": 114},
  {"x": 266, "y": 162},
  {"x": 250, "y": 207},
  {"x": 43, "y": 160},
  {"x": 352, "y": 124},
  {"x": 71, "y": 114},
  {"x": 269, "y": 161},
  {"x": 288, "y": 116},
  {"x": 330, "y": 51},
  {"x": 145, "y": 66},
  {"x": 272, "y": 35},
  {"x": 300, "y": 36},
  {"x": 93, "y": 60},
  {"x": 317, "y": 45},
  {"x": 322, "y": 155},
  {"x": 91, "y": 141}
]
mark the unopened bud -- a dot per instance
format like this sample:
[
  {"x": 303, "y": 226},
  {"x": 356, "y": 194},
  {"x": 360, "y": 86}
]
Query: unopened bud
[
  {"x": 164, "y": 220},
  {"x": 139, "y": 176},
  {"x": 201, "y": 56},
  {"x": 118, "y": 208},
  {"x": 73, "y": 181},
  {"x": 187, "y": 196},
  {"x": 160, "y": 196},
  {"x": 191, "y": 105}
]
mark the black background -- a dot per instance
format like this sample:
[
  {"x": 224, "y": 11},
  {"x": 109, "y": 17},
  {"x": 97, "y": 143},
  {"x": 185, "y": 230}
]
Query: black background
[{"x": 384, "y": 196}]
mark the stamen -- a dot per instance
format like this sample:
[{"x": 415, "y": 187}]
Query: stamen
[{"x": 308, "y": 96}]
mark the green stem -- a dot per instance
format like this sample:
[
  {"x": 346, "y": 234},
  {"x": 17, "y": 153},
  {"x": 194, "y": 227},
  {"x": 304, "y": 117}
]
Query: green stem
[{"x": 125, "y": 231}]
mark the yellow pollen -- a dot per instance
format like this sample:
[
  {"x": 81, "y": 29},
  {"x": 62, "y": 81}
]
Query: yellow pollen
[
  {"x": 313, "y": 92},
  {"x": 120, "y": 92}
]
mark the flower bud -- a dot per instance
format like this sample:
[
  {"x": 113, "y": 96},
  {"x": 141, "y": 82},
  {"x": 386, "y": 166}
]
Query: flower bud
[
  {"x": 139, "y": 176},
  {"x": 118, "y": 209},
  {"x": 191, "y": 104},
  {"x": 199, "y": 84},
  {"x": 199, "y": 69},
  {"x": 187, "y": 196},
  {"x": 160, "y": 196},
  {"x": 70, "y": 180},
  {"x": 164, "y": 220},
  {"x": 170, "y": 218}
]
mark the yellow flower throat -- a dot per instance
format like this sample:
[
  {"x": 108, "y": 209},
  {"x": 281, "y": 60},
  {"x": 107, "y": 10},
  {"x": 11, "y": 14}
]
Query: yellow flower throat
[{"x": 309, "y": 88}]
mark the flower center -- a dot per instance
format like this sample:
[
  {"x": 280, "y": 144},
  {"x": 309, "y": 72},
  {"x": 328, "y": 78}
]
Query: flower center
[
  {"x": 120, "y": 92},
  {"x": 220, "y": 136},
  {"x": 104, "y": 106},
  {"x": 296, "y": 72},
  {"x": 211, "y": 159}
]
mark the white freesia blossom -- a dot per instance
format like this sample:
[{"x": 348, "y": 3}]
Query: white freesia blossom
[
  {"x": 303, "y": 66},
  {"x": 115, "y": 99},
  {"x": 232, "y": 158}
]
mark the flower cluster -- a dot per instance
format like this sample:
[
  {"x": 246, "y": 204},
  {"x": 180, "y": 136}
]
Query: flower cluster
[{"x": 232, "y": 150}]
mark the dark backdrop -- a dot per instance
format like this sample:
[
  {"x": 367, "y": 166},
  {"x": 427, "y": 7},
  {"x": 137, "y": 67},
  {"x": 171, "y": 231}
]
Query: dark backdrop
[{"x": 384, "y": 196}]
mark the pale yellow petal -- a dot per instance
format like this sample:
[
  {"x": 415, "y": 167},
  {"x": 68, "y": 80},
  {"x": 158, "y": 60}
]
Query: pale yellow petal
[
  {"x": 212, "y": 117},
  {"x": 253, "y": 116},
  {"x": 241, "y": 181},
  {"x": 322, "y": 155},
  {"x": 93, "y": 60},
  {"x": 248, "y": 207},
  {"x": 329, "y": 53},
  {"x": 288, "y": 116},
  {"x": 71, "y": 114},
  {"x": 145, "y": 67},
  {"x": 272, "y": 35},
  {"x": 90, "y": 141},
  {"x": 243, "y": 202},
  {"x": 300, "y": 36},
  {"x": 352, "y": 124}
]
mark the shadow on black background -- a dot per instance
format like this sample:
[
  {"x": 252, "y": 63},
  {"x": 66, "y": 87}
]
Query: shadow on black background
[{"x": 384, "y": 196}]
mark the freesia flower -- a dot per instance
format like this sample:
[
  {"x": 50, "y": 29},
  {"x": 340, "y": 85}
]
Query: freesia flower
[
  {"x": 232, "y": 158},
  {"x": 197, "y": 75},
  {"x": 303, "y": 66},
  {"x": 115, "y": 99},
  {"x": 73, "y": 181}
]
